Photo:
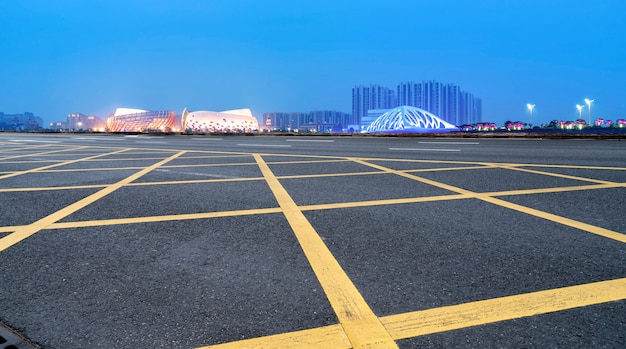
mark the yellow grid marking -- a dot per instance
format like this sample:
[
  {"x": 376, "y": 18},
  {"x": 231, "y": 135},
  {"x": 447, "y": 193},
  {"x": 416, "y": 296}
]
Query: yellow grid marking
[
  {"x": 558, "y": 219},
  {"x": 37, "y": 154},
  {"x": 553, "y": 189},
  {"x": 312, "y": 207},
  {"x": 454, "y": 317},
  {"x": 579, "y": 167},
  {"x": 33, "y": 228},
  {"x": 70, "y": 187},
  {"x": 18, "y": 173},
  {"x": 164, "y": 218},
  {"x": 361, "y": 325},
  {"x": 558, "y": 175},
  {"x": 499, "y": 202}
]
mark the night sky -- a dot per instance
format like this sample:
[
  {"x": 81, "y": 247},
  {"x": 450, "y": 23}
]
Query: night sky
[{"x": 59, "y": 57}]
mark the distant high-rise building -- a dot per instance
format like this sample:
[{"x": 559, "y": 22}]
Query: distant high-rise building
[
  {"x": 447, "y": 101},
  {"x": 75, "y": 121},
  {"x": 284, "y": 121},
  {"x": 315, "y": 120},
  {"x": 365, "y": 98},
  {"x": 79, "y": 121},
  {"x": 25, "y": 121}
]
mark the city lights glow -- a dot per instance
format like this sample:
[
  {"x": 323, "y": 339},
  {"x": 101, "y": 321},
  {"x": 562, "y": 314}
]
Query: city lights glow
[
  {"x": 580, "y": 110},
  {"x": 530, "y": 109},
  {"x": 589, "y": 101}
]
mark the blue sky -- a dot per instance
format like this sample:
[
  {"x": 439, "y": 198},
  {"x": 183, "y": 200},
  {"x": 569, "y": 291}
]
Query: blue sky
[{"x": 60, "y": 57}]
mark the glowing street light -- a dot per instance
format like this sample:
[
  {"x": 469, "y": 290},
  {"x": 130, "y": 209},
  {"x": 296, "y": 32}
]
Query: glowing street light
[
  {"x": 589, "y": 101},
  {"x": 530, "y": 109},
  {"x": 580, "y": 110}
]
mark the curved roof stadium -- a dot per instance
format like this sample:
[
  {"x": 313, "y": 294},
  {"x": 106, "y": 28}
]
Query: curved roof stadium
[
  {"x": 239, "y": 120},
  {"x": 139, "y": 120},
  {"x": 409, "y": 119}
]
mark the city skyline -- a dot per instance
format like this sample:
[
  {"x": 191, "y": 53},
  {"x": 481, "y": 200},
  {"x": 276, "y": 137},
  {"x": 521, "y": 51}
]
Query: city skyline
[{"x": 68, "y": 57}]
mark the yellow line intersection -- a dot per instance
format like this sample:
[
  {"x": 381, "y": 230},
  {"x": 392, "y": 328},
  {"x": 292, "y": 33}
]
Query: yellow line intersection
[{"x": 358, "y": 326}]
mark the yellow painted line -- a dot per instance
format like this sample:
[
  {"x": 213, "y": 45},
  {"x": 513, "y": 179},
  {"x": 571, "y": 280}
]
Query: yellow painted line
[
  {"x": 140, "y": 167},
  {"x": 465, "y": 315},
  {"x": 454, "y": 317},
  {"x": 93, "y": 169},
  {"x": 57, "y": 165},
  {"x": 325, "y": 161},
  {"x": 298, "y": 162},
  {"x": 195, "y": 181},
  {"x": 29, "y": 161},
  {"x": 527, "y": 210},
  {"x": 423, "y": 161},
  {"x": 417, "y": 178},
  {"x": 320, "y": 175},
  {"x": 126, "y": 159},
  {"x": 316, "y": 338},
  {"x": 340, "y": 205},
  {"x": 189, "y": 156},
  {"x": 361, "y": 325},
  {"x": 493, "y": 164},
  {"x": 552, "y": 190},
  {"x": 559, "y": 175},
  {"x": 558, "y": 219},
  {"x": 218, "y": 214},
  {"x": 213, "y": 165},
  {"x": 33, "y": 228},
  {"x": 434, "y": 169},
  {"x": 132, "y": 151},
  {"x": 10, "y": 229},
  {"x": 582, "y": 167},
  {"x": 39, "y": 154},
  {"x": 165, "y": 218},
  {"x": 299, "y": 156},
  {"x": 9, "y": 190},
  {"x": 254, "y": 163}
]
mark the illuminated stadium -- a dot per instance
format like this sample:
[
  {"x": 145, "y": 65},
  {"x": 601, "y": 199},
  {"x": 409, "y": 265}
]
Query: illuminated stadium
[
  {"x": 240, "y": 120},
  {"x": 138, "y": 120},
  {"x": 406, "y": 119}
]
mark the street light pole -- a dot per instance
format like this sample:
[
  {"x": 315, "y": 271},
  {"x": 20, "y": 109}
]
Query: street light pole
[
  {"x": 530, "y": 108},
  {"x": 589, "y": 101},
  {"x": 580, "y": 110}
]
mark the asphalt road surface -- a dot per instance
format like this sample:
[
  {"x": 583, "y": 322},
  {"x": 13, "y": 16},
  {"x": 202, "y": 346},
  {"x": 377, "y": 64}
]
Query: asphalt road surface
[{"x": 136, "y": 241}]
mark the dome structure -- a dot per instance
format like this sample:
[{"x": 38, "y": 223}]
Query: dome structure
[
  {"x": 409, "y": 119},
  {"x": 239, "y": 120}
]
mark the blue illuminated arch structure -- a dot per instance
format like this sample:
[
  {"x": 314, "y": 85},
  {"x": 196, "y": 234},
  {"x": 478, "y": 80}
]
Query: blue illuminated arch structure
[{"x": 409, "y": 119}]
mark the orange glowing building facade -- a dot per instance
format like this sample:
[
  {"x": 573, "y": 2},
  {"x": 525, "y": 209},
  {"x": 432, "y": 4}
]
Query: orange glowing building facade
[{"x": 137, "y": 120}]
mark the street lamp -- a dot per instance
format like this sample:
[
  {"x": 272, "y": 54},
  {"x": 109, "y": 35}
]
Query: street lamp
[
  {"x": 589, "y": 101},
  {"x": 530, "y": 109},
  {"x": 580, "y": 110}
]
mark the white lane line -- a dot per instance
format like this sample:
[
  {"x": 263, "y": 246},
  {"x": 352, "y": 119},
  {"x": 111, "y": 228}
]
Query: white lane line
[
  {"x": 424, "y": 149},
  {"x": 33, "y": 141},
  {"x": 151, "y": 142},
  {"x": 264, "y": 145},
  {"x": 99, "y": 138},
  {"x": 206, "y": 139},
  {"x": 143, "y": 136},
  {"x": 310, "y": 140},
  {"x": 457, "y": 143},
  {"x": 112, "y": 139}
]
